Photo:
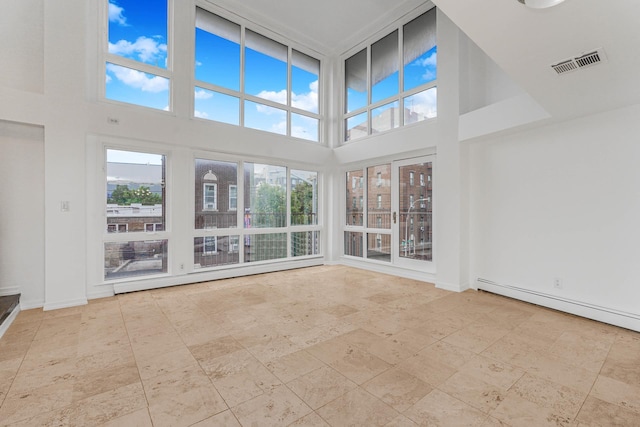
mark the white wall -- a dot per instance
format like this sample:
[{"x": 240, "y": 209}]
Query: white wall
[
  {"x": 22, "y": 212},
  {"x": 562, "y": 201}
]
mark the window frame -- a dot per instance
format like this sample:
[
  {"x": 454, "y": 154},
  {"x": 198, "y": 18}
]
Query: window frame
[
  {"x": 106, "y": 57},
  {"x": 204, "y": 196},
  {"x": 244, "y": 97},
  {"x": 399, "y": 97}
]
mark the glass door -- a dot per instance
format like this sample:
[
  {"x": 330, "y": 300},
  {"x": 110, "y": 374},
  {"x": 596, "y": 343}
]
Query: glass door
[{"x": 413, "y": 206}]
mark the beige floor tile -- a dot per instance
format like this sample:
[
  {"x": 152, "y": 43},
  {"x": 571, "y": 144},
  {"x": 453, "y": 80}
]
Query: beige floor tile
[
  {"x": 554, "y": 369},
  {"x": 165, "y": 362},
  {"x": 476, "y": 337},
  {"x": 311, "y": 420},
  {"x": 352, "y": 362},
  {"x": 25, "y": 405},
  {"x": 398, "y": 389},
  {"x": 440, "y": 409},
  {"x": 617, "y": 392},
  {"x": 596, "y": 412},
  {"x": 578, "y": 350},
  {"x": 401, "y": 421},
  {"x": 107, "y": 406},
  {"x": 216, "y": 348},
  {"x": 321, "y": 386},
  {"x": 293, "y": 365},
  {"x": 223, "y": 419},
  {"x": 427, "y": 369},
  {"x": 97, "y": 381},
  {"x": 182, "y": 397},
  {"x": 139, "y": 418},
  {"x": 240, "y": 377},
  {"x": 277, "y": 407},
  {"x": 199, "y": 349},
  {"x": 516, "y": 411},
  {"x": 491, "y": 371},
  {"x": 357, "y": 408},
  {"x": 8, "y": 371},
  {"x": 562, "y": 400},
  {"x": 474, "y": 392},
  {"x": 448, "y": 354}
]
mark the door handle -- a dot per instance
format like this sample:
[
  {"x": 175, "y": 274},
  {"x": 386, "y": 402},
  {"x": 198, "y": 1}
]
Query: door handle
[{"x": 394, "y": 217}]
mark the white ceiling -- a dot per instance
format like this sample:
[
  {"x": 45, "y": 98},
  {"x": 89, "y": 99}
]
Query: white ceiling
[
  {"x": 327, "y": 26},
  {"x": 523, "y": 42}
]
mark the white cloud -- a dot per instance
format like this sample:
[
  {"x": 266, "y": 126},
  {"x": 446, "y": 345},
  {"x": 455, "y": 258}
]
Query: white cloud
[
  {"x": 429, "y": 61},
  {"x": 108, "y": 79},
  {"x": 198, "y": 63},
  {"x": 305, "y": 101},
  {"x": 279, "y": 97},
  {"x": 202, "y": 94},
  {"x": 166, "y": 108},
  {"x": 425, "y": 103},
  {"x": 144, "y": 48},
  {"x": 200, "y": 114},
  {"x": 116, "y": 14},
  {"x": 138, "y": 79}
]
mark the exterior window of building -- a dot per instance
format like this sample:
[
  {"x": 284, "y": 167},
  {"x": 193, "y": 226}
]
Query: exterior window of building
[
  {"x": 209, "y": 195},
  {"x": 411, "y": 178},
  {"x": 380, "y": 98},
  {"x": 354, "y": 180},
  {"x": 411, "y": 200},
  {"x": 379, "y": 222},
  {"x": 233, "y": 197},
  {"x": 210, "y": 245},
  {"x": 135, "y": 204},
  {"x": 379, "y": 181},
  {"x": 422, "y": 180},
  {"x": 379, "y": 201},
  {"x": 280, "y": 86},
  {"x": 361, "y": 202},
  {"x": 152, "y": 228},
  {"x": 354, "y": 214},
  {"x": 137, "y": 53}
]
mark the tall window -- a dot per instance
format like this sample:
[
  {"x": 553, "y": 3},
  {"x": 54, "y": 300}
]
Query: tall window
[
  {"x": 383, "y": 93},
  {"x": 137, "y": 60},
  {"x": 244, "y": 78},
  {"x": 233, "y": 197},
  {"x": 135, "y": 204},
  {"x": 210, "y": 197}
]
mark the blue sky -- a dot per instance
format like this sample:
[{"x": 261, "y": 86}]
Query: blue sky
[{"x": 138, "y": 31}]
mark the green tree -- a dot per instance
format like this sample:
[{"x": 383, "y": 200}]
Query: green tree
[
  {"x": 302, "y": 204},
  {"x": 270, "y": 206},
  {"x": 124, "y": 196}
]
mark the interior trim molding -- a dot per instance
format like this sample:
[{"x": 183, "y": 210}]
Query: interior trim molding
[
  {"x": 64, "y": 304},
  {"x": 244, "y": 270},
  {"x": 13, "y": 290},
  {"x": 580, "y": 308},
  {"x": 4, "y": 327}
]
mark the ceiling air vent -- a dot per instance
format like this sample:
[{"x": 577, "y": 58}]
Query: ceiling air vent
[
  {"x": 582, "y": 61},
  {"x": 565, "y": 66}
]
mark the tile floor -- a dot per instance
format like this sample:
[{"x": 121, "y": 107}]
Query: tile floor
[{"x": 320, "y": 346}]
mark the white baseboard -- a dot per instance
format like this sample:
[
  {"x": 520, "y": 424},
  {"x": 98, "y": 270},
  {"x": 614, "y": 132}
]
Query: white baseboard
[
  {"x": 452, "y": 287},
  {"x": 64, "y": 304},
  {"x": 579, "y": 308},
  {"x": 205, "y": 276},
  {"x": 6, "y": 291},
  {"x": 421, "y": 276},
  {"x": 106, "y": 293},
  {"x": 9, "y": 320},
  {"x": 28, "y": 305}
]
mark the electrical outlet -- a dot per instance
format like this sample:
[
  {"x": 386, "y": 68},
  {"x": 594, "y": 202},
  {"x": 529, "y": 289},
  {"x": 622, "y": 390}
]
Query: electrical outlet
[
  {"x": 182, "y": 267},
  {"x": 557, "y": 283}
]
